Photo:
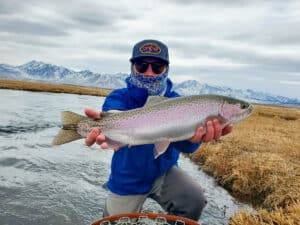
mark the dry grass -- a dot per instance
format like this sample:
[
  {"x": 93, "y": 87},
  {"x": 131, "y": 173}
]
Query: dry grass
[
  {"x": 57, "y": 88},
  {"x": 259, "y": 162},
  {"x": 283, "y": 216}
]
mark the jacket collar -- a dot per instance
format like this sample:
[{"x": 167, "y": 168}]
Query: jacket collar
[{"x": 140, "y": 95}]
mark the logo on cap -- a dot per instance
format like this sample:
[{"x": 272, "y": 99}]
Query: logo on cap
[{"x": 150, "y": 48}]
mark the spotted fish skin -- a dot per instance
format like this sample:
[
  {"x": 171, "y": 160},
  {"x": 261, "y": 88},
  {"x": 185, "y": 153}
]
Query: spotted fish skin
[{"x": 161, "y": 121}]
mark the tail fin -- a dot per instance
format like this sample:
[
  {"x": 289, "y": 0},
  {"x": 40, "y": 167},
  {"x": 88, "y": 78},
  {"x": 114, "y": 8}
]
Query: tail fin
[
  {"x": 65, "y": 136},
  {"x": 69, "y": 118},
  {"x": 68, "y": 133}
]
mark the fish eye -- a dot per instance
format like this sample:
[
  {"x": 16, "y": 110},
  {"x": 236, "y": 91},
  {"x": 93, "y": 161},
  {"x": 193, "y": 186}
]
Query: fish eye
[{"x": 243, "y": 106}]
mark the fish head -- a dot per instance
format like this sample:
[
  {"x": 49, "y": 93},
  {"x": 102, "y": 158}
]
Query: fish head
[{"x": 234, "y": 110}]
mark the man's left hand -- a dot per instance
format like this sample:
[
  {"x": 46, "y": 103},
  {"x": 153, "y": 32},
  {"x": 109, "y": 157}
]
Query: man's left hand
[{"x": 213, "y": 131}]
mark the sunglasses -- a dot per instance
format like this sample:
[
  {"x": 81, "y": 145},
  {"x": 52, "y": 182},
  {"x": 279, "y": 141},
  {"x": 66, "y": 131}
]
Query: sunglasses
[{"x": 157, "y": 67}]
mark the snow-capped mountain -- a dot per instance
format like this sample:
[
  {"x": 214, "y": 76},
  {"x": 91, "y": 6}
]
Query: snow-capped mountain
[
  {"x": 43, "y": 72},
  {"x": 192, "y": 87}
]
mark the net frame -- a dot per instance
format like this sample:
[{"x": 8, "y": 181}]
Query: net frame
[{"x": 140, "y": 218}]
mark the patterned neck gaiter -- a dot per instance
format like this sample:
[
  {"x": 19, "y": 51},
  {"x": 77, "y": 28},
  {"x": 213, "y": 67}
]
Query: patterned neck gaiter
[{"x": 155, "y": 85}]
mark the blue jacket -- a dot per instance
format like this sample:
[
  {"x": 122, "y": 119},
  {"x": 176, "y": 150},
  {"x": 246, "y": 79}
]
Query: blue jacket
[{"x": 134, "y": 170}]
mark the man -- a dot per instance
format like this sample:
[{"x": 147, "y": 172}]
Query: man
[{"x": 135, "y": 173}]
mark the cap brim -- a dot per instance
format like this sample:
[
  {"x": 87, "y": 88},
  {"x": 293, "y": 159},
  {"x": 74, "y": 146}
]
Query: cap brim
[{"x": 152, "y": 56}]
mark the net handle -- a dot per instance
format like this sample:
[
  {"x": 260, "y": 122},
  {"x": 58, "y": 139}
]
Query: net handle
[{"x": 149, "y": 215}]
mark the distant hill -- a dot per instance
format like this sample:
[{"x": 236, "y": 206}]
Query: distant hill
[{"x": 44, "y": 72}]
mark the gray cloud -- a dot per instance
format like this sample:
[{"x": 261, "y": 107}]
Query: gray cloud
[
  {"x": 19, "y": 40},
  {"x": 218, "y": 2},
  {"x": 92, "y": 20},
  {"x": 19, "y": 27},
  {"x": 60, "y": 17},
  {"x": 10, "y": 7},
  {"x": 97, "y": 17},
  {"x": 278, "y": 32},
  {"x": 247, "y": 56}
]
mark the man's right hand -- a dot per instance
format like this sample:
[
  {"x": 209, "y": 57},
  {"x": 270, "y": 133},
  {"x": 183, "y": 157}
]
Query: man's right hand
[{"x": 95, "y": 135}]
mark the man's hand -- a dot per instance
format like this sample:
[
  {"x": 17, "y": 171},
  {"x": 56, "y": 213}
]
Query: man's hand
[
  {"x": 95, "y": 135},
  {"x": 213, "y": 132}
]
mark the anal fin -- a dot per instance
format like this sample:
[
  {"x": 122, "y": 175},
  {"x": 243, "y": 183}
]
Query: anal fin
[{"x": 160, "y": 147}]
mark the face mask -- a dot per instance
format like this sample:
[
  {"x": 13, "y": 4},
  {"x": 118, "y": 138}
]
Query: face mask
[{"x": 155, "y": 85}]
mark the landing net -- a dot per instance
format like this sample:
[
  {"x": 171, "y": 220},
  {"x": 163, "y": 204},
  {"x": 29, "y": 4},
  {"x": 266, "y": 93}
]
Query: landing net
[{"x": 144, "y": 219}]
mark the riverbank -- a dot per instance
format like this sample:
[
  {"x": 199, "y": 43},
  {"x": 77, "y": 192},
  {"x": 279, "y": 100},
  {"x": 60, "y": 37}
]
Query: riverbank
[
  {"x": 259, "y": 162},
  {"x": 56, "y": 88}
]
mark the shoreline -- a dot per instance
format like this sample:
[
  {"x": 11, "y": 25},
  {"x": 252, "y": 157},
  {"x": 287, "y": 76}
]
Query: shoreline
[
  {"x": 258, "y": 163},
  {"x": 51, "y": 87}
]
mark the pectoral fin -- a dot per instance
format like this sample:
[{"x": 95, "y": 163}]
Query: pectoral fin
[{"x": 160, "y": 147}]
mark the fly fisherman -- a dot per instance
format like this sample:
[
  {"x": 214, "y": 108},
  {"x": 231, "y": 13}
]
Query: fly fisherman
[{"x": 135, "y": 173}]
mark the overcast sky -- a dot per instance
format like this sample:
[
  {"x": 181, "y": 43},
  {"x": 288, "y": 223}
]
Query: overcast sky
[{"x": 239, "y": 44}]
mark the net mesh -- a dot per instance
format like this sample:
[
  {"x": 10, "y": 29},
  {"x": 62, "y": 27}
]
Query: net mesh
[{"x": 144, "y": 219}]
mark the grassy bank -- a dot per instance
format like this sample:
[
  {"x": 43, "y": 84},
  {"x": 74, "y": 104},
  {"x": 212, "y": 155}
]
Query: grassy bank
[
  {"x": 56, "y": 88},
  {"x": 259, "y": 162}
]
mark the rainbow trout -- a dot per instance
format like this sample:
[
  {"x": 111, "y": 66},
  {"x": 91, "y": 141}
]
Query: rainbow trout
[{"x": 161, "y": 121}]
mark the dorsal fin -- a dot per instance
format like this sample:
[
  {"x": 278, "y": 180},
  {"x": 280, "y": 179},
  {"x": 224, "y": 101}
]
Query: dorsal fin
[
  {"x": 109, "y": 113},
  {"x": 152, "y": 100}
]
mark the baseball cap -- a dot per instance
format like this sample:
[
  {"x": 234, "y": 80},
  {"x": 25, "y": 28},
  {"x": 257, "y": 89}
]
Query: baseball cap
[{"x": 150, "y": 48}]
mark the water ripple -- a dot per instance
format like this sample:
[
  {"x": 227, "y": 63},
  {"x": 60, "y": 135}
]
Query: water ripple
[{"x": 11, "y": 129}]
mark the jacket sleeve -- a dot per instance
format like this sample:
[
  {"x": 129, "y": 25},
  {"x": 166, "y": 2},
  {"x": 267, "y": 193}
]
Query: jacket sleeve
[
  {"x": 114, "y": 101},
  {"x": 186, "y": 146}
]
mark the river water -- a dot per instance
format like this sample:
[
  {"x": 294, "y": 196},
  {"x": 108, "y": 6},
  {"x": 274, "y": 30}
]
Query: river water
[{"x": 42, "y": 184}]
